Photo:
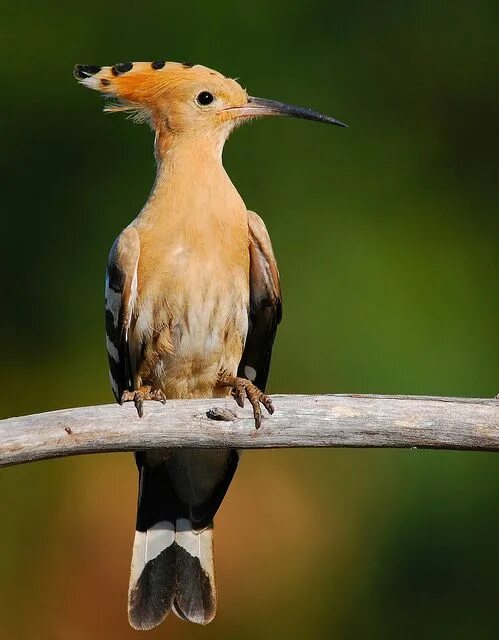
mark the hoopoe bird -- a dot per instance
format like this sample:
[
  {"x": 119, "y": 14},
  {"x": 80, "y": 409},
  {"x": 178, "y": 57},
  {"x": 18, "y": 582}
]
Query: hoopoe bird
[{"x": 193, "y": 301}]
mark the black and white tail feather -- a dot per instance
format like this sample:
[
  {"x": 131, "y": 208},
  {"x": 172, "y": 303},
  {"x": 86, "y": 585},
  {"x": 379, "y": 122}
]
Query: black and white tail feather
[
  {"x": 172, "y": 564},
  {"x": 172, "y": 569}
]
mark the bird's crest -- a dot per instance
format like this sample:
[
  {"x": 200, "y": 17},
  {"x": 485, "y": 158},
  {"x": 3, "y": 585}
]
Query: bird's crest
[{"x": 140, "y": 87}]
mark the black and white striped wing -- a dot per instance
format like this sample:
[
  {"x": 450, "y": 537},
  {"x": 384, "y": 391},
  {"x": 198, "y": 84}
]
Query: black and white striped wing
[
  {"x": 121, "y": 295},
  {"x": 265, "y": 310}
]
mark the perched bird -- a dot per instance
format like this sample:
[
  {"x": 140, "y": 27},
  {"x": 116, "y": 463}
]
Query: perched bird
[{"x": 192, "y": 306}]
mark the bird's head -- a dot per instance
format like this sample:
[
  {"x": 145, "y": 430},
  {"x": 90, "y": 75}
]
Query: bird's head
[{"x": 183, "y": 100}]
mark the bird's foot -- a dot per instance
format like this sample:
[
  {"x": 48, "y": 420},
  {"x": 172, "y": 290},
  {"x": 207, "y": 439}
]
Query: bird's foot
[
  {"x": 241, "y": 388},
  {"x": 140, "y": 395}
]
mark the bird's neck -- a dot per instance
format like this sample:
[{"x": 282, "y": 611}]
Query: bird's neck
[{"x": 191, "y": 183}]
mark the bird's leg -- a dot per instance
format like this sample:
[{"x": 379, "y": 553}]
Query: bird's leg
[
  {"x": 139, "y": 395},
  {"x": 241, "y": 388}
]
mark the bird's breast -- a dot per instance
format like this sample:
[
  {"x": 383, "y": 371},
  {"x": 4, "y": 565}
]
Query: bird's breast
[{"x": 192, "y": 317}]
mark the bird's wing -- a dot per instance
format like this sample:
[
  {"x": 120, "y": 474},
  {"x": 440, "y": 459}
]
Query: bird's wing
[
  {"x": 265, "y": 308},
  {"x": 121, "y": 296}
]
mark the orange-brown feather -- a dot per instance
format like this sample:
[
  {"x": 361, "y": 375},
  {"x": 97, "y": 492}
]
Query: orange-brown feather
[{"x": 148, "y": 91}]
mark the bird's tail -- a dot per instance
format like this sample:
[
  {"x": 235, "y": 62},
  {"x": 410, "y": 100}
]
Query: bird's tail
[{"x": 172, "y": 563}]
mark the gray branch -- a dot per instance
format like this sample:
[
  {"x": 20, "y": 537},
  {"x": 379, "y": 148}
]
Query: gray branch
[{"x": 298, "y": 421}]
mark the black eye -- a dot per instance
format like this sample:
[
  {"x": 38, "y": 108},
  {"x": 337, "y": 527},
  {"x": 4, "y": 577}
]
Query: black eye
[{"x": 204, "y": 98}]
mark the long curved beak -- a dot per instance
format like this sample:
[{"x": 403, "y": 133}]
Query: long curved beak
[{"x": 257, "y": 107}]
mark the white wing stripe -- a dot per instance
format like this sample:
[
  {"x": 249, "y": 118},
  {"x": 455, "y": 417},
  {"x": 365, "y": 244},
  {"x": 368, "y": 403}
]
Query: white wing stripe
[
  {"x": 113, "y": 304},
  {"x": 112, "y": 350}
]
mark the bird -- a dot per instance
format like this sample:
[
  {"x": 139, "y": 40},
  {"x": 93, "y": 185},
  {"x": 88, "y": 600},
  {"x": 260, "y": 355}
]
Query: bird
[{"x": 193, "y": 301}]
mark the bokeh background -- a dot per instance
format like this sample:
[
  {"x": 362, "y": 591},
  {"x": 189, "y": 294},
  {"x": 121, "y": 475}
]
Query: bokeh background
[{"x": 387, "y": 240}]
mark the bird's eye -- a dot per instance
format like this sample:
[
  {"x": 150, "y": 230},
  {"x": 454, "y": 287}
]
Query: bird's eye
[{"x": 205, "y": 98}]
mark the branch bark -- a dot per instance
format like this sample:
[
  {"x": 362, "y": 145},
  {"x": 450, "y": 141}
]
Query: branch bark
[{"x": 299, "y": 421}]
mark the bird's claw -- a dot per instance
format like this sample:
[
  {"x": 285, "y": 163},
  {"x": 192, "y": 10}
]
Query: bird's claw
[
  {"x": 238, "y": 394},
  {"x": 242, "y": 389},
  {"x": 140, "y": 395}
]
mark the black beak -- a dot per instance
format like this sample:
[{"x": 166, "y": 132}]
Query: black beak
[{"x": 263, "y": 107}]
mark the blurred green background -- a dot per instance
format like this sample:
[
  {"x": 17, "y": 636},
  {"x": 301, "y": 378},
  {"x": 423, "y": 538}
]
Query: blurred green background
[{"x": 387, "y": 241}]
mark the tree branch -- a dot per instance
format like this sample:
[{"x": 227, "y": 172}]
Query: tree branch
[{"x": 299, "y": 421}]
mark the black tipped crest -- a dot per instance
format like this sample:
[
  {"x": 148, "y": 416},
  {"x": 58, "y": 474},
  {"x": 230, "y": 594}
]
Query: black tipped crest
[
  {"x": 85, "y": 70},
  {"x": 188, "y": 65},
  {"x": 157, "y": 64},
  {"x": 121, "y": 67}
]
